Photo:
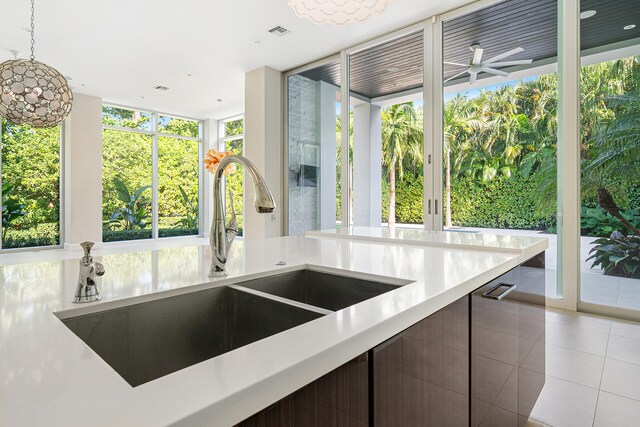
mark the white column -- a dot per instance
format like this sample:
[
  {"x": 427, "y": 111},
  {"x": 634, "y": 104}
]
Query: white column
[
  {"x": 367, "y": 165},
  {"x": 83, "y": 172},
  {"x": 327, "y": 140},
  {"x": 263, "y": 146}
]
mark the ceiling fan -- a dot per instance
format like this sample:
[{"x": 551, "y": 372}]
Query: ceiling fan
[{"x": 477, "y": 65}]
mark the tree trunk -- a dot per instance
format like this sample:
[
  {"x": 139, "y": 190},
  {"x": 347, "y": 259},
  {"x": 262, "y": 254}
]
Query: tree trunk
[
  {"x": 392, "y": 195},
  {"x": 605, "y": 200},
  {"x": 447, "y": 186}
]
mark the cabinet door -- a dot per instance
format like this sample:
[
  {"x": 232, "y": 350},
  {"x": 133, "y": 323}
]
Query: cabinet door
[
  {"x": 507, "y": 348},
  {"x": 420, "y": 377},
  {"x": 339, "y": 398}
]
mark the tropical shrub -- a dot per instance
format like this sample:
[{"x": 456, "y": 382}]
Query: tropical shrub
[
  {"x": 596, "y": 222},
  {"x": 12, "y": 209},
  {"x": 617, "y": 256},
  {"x": 191, "y": 210},
  {"x": 135, "y": 211}
]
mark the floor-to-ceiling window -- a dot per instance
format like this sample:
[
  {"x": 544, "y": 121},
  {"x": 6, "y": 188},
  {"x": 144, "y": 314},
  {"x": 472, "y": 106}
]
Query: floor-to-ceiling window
[
  {"x": 178, "y": 176},
  {"x": 231, "y": 136},
  {"x": 30, "y": 172},
  {"x": 610, "y": 156},
  {"x": 500, "y": 123},
  {"x": 150, "y": 175},
  {"x": 315, "y": 153}
]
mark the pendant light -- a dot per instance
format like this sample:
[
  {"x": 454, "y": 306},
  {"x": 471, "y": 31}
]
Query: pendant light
[
  {"x": 337, "y": 12},
  {"x": 33, "y": 93}
]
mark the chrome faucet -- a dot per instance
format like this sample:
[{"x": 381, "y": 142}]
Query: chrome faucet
[
  {"x": 87, "y": 288},
  {"x": 222, "y": 235}
]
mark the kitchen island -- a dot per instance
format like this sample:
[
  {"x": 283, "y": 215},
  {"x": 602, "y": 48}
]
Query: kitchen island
[{"x": 51, "y": 377}]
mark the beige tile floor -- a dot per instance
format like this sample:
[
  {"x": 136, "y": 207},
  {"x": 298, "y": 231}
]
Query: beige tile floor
[{"x": 593, "y": 372}]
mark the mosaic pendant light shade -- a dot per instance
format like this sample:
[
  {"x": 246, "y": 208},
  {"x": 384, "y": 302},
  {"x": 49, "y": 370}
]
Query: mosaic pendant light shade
[
  {"x": 33, "y": 93},
  {"x": 337, "y": 12}
]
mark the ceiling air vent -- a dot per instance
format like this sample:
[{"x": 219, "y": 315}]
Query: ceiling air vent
[
  {"x": 279, "y": 31},
  {"x": 160, "y": 87}
]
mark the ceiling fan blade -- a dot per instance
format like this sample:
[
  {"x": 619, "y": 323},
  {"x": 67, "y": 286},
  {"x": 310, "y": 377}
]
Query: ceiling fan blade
[
  {"x": 456, "y": 63},
  {"x": 504, "y": 55},
  {"x": 494, "y": 71},
  {"x": 477, "y": 56},
  {"x": 457, "y": 75},
  {"x": 474, "y": 77},
  {"x": 510, "y": 63}
]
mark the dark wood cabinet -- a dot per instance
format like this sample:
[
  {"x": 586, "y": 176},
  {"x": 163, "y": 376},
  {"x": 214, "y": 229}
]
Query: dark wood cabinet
[
  {"x": 480, "y": 361},
  {"x": 420, "y": 377},
  {"x": 339, "y": 398}
]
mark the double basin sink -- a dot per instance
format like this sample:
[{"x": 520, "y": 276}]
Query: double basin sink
[{"x": 148, "y": 340}]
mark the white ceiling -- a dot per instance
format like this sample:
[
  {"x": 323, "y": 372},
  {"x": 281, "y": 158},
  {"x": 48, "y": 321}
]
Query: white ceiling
[{"x": 120, "y": 49}]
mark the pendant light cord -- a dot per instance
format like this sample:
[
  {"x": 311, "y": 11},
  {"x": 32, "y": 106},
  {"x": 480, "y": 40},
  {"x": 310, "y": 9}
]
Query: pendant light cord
[{"x": 33, "y": 41}]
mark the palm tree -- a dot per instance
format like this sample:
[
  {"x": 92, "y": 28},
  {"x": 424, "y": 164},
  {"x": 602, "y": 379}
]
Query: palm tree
[
  {"x": 459, "y": 119},
  {"x": 400, "y": 132}
]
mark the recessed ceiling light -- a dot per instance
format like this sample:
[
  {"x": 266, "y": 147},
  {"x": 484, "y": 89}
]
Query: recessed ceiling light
[
  {"x": 587, "y": 14},
  {"x": 393, "y": 69},
  {"x": 189, "y": 75},
  {"x": 219, "y": 99},
  {"x": 629, "y": 27},
  {"x": 162, "y": 88}
]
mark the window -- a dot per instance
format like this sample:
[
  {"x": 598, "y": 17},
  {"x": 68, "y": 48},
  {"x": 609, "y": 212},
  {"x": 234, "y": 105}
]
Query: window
[
  {"x": 231, "y": 133},
  {"x": 150, "y": 175},
  {"x": 30, "y": 173}
]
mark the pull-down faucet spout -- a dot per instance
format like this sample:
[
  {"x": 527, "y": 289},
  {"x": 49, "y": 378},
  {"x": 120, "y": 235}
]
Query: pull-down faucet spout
[{"x": 222, "y": 235}]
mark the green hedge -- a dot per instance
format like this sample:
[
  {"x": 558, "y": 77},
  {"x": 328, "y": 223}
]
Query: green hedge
[
  {"x": 119, "y": 235},
  {"x": 45, "y": 234},
  {"x": 174, "y": 232},
  {"x": 501, "y": 203},
  {"x": 31, "y": 242},
  {"x": 409, "y": 206}
]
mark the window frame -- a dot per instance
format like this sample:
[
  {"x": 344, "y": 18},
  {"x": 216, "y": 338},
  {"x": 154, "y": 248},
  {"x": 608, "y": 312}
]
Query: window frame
[
  {"x": 222, "y": 146},
  {"x": 155, "y": 135}
]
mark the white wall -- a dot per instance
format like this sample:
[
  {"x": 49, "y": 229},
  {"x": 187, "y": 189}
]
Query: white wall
[
  {"x": 263, "y": 146},
  {"x": 83, "y": 172}
]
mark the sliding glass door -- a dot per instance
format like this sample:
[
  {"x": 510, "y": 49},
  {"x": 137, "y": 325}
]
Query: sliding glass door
[
  {"x": 610, "y": 153},
  {"x": 499, "y": 150}
]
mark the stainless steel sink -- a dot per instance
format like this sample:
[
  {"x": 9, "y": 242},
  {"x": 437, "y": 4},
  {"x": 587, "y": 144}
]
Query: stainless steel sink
[
  {"x": 329, "y": 291},
  {"x": 148, "y": 340}
]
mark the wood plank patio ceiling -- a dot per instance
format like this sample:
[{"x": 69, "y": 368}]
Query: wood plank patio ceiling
[{"x": 397, "y": 65}]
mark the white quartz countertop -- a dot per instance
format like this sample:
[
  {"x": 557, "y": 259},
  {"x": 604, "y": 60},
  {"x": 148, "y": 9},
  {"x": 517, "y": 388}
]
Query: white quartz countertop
[
  {"x": 523, "y": 246},
  {"x": 48, "y": 376}
]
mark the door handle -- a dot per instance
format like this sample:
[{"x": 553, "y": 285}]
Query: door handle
[{"x": 494, "y": 292}]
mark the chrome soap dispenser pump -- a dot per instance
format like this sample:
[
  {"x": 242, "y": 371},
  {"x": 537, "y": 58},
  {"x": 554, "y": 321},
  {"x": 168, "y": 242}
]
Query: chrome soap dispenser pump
[{"x": 87, "y": 287}]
